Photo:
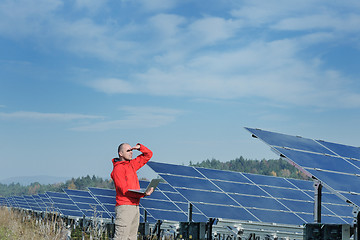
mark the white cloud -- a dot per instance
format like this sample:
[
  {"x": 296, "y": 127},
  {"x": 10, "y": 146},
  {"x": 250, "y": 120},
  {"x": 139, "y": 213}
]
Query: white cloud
[
  {"x": 207, "y": 56},
  {"x": 25, "y": 18},
  {"x": 269, "y": 70},
  {"x": 211, "y": 30},
  {"x": 136, "y": 117},
  {"x": 157, "y": 5},
  {"x": 167, "y": 25},
  {"x": 91, "y": 5},
  {"x": 85, "y": 37},
  {"x": 300, "y": 15},
  {"x": 112, "y": 85},
  {"x": 258, "y": 12},
  {"x": 329, "y": 21},
  {"x": 23, "y": 115}
]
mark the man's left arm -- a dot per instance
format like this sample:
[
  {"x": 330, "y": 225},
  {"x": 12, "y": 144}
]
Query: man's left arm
[{"x": 144, "y": 157}]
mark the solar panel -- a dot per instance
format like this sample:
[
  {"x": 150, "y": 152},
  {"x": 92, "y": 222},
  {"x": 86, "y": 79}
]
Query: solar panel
[
  {"x": 63, "y": 204},
  {"x": 87, "y": 204},
  {"x": 18, "y": 202},
  {"x": 32, "y": 203},
  {"x": 49, "y": 205},
  {"x": 249, "y": 197},
  {"x": 2, "y": 201},
  {"x": 106, "y": 197},
  {"x": 160, "y": 207},
  {"x": 337, "y": 166},
  {"x": 40, "y": 203},
  {"x": 181, "y": 202},
  {"x": 11, "y": 202}
]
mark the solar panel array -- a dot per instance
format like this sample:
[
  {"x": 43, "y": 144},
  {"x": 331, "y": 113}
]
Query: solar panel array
[
  {"x": 164, "y": 204},
  {"x": 250, "y": 197},
  {"x": 211, "y": 193},
  {"x": 337, "y": 166}
]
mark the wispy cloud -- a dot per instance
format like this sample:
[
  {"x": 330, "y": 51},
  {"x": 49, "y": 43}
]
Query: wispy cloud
[
  {"x": 269, "y": 70},
  {"x": 332, "y": 22},
  {"x": 206, "y": 56},
  {"x": 157, "y": 5},
  {"x": 135, "y": 117},
  {"x": 112, "y": 85},
  {"x": 23, "y": 115}
]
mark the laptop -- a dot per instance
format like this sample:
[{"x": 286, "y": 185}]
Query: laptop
[{"x": 153, "y": 184}]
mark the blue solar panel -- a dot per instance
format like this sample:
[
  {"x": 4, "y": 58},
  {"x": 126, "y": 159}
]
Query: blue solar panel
[
  {"x": 20, "y": 202},
  {"x": 64, "y": 204},
  {"x": 11, "y": 202},
  {"x": 223, "y": 194},
  {"x": 317, "y": 161},
  {"x": 343, "y": 150},
  {"x": 339, "y": 182},
  {"x": 49, "y": 205},
  {"x": 196, "y": 183},
  {"x": 40, "y": 202},
  {"x": 226, "y": 212},
  {"x": 335, "y": 165},
  {"x": 160, "y": 206},
  {"x": 2, "y": 201},
  {"x": 288, "y": 141},
  {"x": 179, "y": 170},
  {"x": 32, "y": 203},
  {"x": 106, "y": 197},
  {"x": 229, "y": 176},
  {"x": 268, "y": 180},
  {"x": 287, "y": 193},
  {"x": 87, "y": 204},
  {"x": 247, "y": 189},
  {"x": 181, "y": 202}
]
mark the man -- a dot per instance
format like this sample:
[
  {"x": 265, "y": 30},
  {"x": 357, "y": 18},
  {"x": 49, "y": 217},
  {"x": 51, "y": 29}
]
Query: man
[{"x": 125, "y": 178}]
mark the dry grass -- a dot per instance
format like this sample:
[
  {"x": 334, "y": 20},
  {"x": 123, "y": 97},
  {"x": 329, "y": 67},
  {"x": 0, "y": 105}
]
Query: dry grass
[{"x": 15, "y": 225}]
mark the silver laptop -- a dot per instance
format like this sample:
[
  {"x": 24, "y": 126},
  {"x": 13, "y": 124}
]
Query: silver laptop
[{"x": 153, "y": 184}]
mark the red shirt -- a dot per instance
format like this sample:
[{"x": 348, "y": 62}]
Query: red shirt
[{"x": 125, "y": 177}]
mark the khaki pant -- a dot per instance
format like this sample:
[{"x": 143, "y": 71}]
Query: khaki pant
[{"x": 126, "y": 222}]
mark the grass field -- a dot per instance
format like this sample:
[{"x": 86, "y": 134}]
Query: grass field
[{"x": 16, "y": 225}]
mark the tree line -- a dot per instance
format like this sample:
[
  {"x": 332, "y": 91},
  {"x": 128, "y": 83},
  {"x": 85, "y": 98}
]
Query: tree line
[
  {"x": 272, "y": 167},
  {"x": 80, "y": 183},
  {"x": 279, "y": 168}
]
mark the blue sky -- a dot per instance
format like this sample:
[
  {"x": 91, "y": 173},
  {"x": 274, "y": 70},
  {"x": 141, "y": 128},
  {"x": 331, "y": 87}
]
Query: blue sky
[{"x": 182, "y": 77}]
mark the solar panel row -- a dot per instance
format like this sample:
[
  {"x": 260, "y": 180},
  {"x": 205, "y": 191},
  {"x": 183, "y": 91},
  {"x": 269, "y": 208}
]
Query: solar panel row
[
  {"x": 250, "y": 197},
  {"x": 100, "y": 203},
  {"x": 212, "y": 194},
  {"x": 337, "y": 166}
]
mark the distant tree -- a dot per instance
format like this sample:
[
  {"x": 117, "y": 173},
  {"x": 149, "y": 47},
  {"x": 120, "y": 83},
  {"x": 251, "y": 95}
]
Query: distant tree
[
  {"x": 279, "y": 168},
  {"x": 80, "y": 183},
  {"x": 71, "y": 185}
]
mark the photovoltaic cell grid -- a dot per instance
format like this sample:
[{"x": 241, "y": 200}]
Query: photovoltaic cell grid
[
  {"x": 167, "y": 203},
  {"x": 159, "y": 207},
  {"x": 337, "y": 166},
  {"x": 64, "y": 205},
  {"x": 163, "y": 204},
  {"x": 89, "y": 206},
  {"x": 250, "y": 197}
]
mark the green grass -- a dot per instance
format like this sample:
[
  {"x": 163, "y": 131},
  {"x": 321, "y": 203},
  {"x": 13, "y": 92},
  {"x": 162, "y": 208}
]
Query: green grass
[{"x": 16, "y": 225}]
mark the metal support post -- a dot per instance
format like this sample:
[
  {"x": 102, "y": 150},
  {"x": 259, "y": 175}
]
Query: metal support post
[
  {"x": 209, "y": 228},
  {"x": 190, "y": 210},
  {"x": 317, "y": 202},
  {"x": 356, "y": 213}
]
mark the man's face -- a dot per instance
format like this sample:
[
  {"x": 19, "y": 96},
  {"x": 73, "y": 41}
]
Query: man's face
[{"x": 126, "y": 152}]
